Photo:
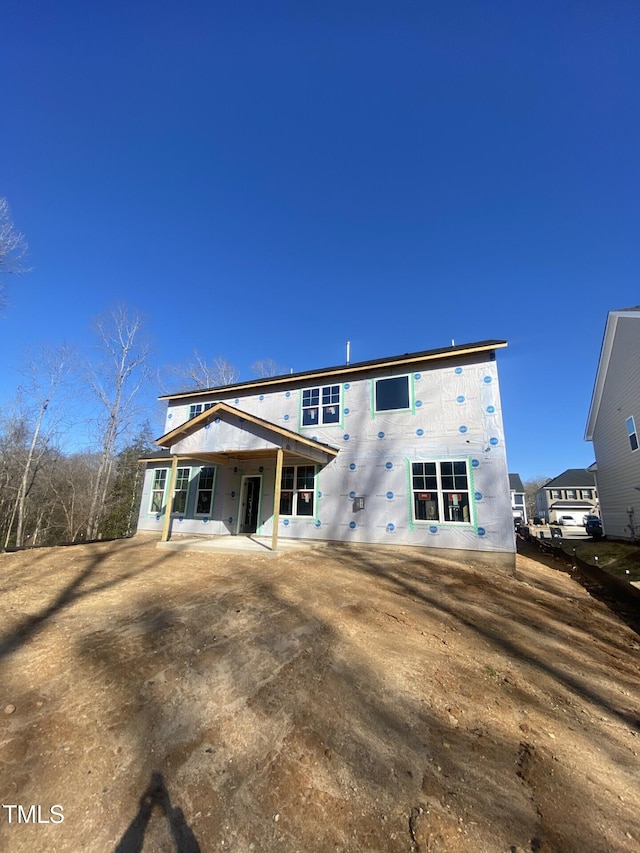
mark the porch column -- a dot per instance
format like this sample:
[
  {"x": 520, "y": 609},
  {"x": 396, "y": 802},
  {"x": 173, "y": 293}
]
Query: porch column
[
  {"x": 276, "y": 499},
  {"x": 169, "y": 505}
]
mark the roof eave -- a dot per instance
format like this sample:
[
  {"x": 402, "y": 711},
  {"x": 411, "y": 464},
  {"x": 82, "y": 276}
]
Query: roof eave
[{"x": 338, "y": 370}]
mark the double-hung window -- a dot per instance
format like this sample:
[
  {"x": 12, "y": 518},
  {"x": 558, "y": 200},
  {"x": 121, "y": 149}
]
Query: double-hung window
[
  {"x": 197, "y": 409},
  {"x": 179, "y": 503},
  {"x": 392, "y": 394},
  {"x": 157, "y": 490},
  {"x": 204, "y": 494},
  {"x": 321, "y": 405},
  {"x": 441, "y": 491},
  {"x": 298, "y": 489},
  {"x": 631, "y": 432}
]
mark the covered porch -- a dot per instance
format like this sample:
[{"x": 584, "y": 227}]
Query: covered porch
[{"x": 240, "y": 440}]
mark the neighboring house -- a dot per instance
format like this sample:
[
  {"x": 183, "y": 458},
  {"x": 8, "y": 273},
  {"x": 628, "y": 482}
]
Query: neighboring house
[
  {"x": 404, "y": 450},
  {"x": 613, "y": 423},
  {"x": 571, "y": 495},
  {"x": 518, "y": 507}
]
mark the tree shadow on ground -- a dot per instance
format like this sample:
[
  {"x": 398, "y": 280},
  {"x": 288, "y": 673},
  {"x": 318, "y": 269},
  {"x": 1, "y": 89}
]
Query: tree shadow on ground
[
  {"x": 493, "y": 625},
  {"x": 75, "y": 590}
]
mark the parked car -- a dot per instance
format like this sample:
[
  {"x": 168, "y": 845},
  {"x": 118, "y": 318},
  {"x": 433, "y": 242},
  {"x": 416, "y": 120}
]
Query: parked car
[
  {"x": 587, "y": 518},
  {"x": 567, "y": 520},
  {"x": 594, "y": 526}
]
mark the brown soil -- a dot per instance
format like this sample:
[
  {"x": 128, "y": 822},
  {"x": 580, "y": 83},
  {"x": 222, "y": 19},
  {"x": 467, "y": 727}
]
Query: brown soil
[{"x": 340, "y": 699}]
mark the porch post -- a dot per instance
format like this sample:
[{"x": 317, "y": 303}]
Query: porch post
[
  {"x": 276, "y": 499},
  {"x": 169, "y": 505}
]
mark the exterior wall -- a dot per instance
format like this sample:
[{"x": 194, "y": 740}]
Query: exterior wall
[
  {"x": 542, "y": 504},
  {"x": 454, "y": 415},
  {"x": 518, "y": 506},
  {"x": 618, "y": 473}
]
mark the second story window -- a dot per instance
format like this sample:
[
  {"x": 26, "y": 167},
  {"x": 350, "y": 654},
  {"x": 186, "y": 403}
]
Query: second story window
[
  {"x": 555, "y": 494},
  {"x": 571, "y": 494},
  {"x": 321, "y": 405},
  {"x": 198, "y": 408},
  {"x": 631, "y": 432},
  {"x": 392, "y": 395}
]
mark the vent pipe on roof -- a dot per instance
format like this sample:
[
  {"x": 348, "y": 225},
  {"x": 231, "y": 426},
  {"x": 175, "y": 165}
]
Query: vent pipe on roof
[{"x": 348, "y": 351}]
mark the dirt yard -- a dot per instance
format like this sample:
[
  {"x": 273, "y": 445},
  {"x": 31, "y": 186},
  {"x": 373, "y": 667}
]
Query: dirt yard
[{"x": 338, "y": 699}]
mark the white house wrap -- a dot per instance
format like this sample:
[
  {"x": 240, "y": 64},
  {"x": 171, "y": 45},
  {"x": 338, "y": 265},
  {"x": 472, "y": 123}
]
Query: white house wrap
[{"x": 407, "y": 450}]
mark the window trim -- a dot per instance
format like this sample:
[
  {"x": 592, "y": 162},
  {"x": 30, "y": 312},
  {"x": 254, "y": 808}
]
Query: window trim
[
  {"x": 320, "y": 424},
  {"x": 201, "y": 407},
  {"x": 214, "y": 481},
  {"x": 374, "y": 385},
  {"x": 156, "y": 490},
  {"x": 442, "y": 520},
  {"x": 183, "y": 512},
  {"x": 632, "y": 433},
  {"x": 295, "y": 492}
]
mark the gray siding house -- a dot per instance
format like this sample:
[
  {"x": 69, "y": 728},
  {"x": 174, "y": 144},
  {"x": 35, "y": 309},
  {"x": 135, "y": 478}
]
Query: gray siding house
[
  {"x": 403, "y": 450},
  {"x": 613, "y": 422},
  {"x": 518, "y": 503},
  {"x": 571, "y": 495}
]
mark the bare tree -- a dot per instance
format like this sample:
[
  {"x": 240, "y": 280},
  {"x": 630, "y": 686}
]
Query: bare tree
[
  {"x": 13, "y": 249},
  {"x": 45, "y": 377},
  {"x": 207, "y": 374},
  {"x": 265, "y": 367},
  {"x": 115, "y": 383},
  {"x": 530, "y": 488}
]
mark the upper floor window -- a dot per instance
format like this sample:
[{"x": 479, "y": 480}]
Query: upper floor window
[
  {"x": 555, "y": 494},
  {"x": 198, "y": 408},
  {"x": 441, "y": 491},
  {"x": 321, "y": 405},
  {"x": 571, "y": 494},
  {"x": 631, "y": 432},
  {"x": 518, "y": 500},
  {"x": 586, "y": 494},
  {"x": 392, "y": 395}
]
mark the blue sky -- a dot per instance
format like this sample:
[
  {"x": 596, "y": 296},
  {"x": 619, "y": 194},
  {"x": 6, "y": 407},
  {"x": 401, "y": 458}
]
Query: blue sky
[{"x": 271, "y": 180}]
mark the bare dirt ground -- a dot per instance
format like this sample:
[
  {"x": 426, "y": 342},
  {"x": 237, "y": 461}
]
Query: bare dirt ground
[{"x": 339, "y": 699}]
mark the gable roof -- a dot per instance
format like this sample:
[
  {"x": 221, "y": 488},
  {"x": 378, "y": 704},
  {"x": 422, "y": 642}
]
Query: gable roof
[
  {"x": 579, "y": 477},
  {"x": 515, "y": 483},
  {"x": 280, "y": 433},
  {"x": 345, "y": 370},
  {"x": 603, "y": 364}
]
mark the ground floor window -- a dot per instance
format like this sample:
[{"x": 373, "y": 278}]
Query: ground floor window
[
  {"x": 179, "y": 504},
  {"x": 298, "y": 489},
  {"x": 157, "y": 490},
  {"x": 204, "y": 494},
  {"x": 441, "y": 491}
]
